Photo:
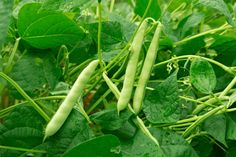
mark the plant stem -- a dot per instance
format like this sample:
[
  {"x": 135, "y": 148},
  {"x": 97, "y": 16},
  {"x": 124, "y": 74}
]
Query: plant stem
[
  {"x": 23, "y": 149},
  {"x": 223, "y": 27},
  {"x": 228, "y": 88},
  {"x": 79, "y": 67},
  {"x": 112, "y": 5},
  {"x": 12, "y": 56},
  {"x": 227, "y": 69},
  {"x": 209, "y": 102},
  {"x": 99, "y": 34},
  {"x": 188, "y": 131},
  {"x": 90, "y": 109},
  {"x": 26, "y": 96}
]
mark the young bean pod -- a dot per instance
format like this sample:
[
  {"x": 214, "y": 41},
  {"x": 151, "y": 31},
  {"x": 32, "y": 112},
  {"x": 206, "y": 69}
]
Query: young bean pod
[
  {"x": 146, "y": 70},
  {"x": 67, "y": 105},
  {"x": 131, "y": 68}
]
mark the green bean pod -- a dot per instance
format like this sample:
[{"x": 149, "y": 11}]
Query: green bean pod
[
  {"x": 146, "y": 70},
  {"x": 135, "y": 50},
  {"x": 67, "y": 105}
]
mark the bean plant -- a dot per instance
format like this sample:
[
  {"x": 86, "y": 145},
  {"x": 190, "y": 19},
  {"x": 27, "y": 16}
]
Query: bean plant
[{"x": 117, "y": 78}]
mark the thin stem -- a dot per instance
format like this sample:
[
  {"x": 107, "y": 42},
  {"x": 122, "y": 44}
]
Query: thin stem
[
  {"x": 180, "y": 125},
  {"x": 79, "y": 67},
  {"x": 99, "y": 34},
  {"x": 12, "y": 56},
  {"x": 228, "y": 88},
  {"x": 80, "y": 108},
  {"x": 26, "y": 96},
  {"x": 222, "y": 28},
  {"x": 209, "y": 102},
  {"x": 23, "y": 149},
  {"x": 216, "y": 94},
  {"x": 203, "y": 133},
  {"x": 188, "y": 131},
  {"x": 231, "y": 110},
  {"x": 98, "y": 102},
  {"x": 112, "y": 5},
  {"x": 146, "y": 11},
  {"x": 227, "y": 69}
]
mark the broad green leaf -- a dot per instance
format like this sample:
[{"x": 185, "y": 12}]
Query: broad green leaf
[
  {"x": 109, "y": 119},
  {"x": 191, "y": 22},
  {"x": 220, "y": 6},
  {"x": 190, "y": 47},
  {"x": 202, "y": 145},
  {"x": 231, "y": 152},
  {"x": 216, "y": 127},
  {"x": 162, "y": 104},
  {"x": 87, "y": 46},
  {"x": 111, "y": 34},
  {"x": 64, "y": 6},
  {"x": 22, "y": 128},
  {"x": 225, "y": 46},
  {"x": 103, "y": 146},
  {"x": 202, "y": 76},
  {"x": 141, "y": 146},
  {"x": 47, "y": 29},
  {"x": 172, "y": 144},
  {"x": 6, "y": 7},
  {"x": 35, "y": 70},
  {"x": 73, "y": 132},
  {"x": 127, "y": 27},
  {"x": 231, "y": 126},
  {"x": 154, "y": 11}
]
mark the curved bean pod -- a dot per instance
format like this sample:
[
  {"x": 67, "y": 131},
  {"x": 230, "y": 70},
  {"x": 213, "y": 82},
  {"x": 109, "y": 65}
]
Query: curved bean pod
[{"x": 67, "y": 105}]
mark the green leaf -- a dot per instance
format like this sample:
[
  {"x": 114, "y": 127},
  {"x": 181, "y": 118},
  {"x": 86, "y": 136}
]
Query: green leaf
[
  {"x": 74, "y": 131},
  {"x": 191, "y": 22},
  {"x": 35, "y": 70},
  {"x": 141, "y": 146},
  {"x": 202, "y": 145},
  {"x": 104, "y": 146},
  {"x": 202, "y": 76},
  {"x": 64, "y": 6},
  {"x": 127, "y": 27},
  {"x": 172, "y": 144},
  {"x": 220, "y": 6},
  {"x": 6, "y": 7},
  {"x": 22, "y": 128},
  {"x": 47, "y": 29},
  {"x": 231, "y": 152},
  {"x": 216, "y": 127},
  {"x": 231, "y": 126},
  {"x": 189, "y": 47},
  {"x": 154, "y": 11},
  {"x": 109, "y": 119},
  {"x": 162, "y": 104},
  {"x": 111, "y": 33},
  {"x": 225, "y": 46},
  {"x": 87, "y": 46}
]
